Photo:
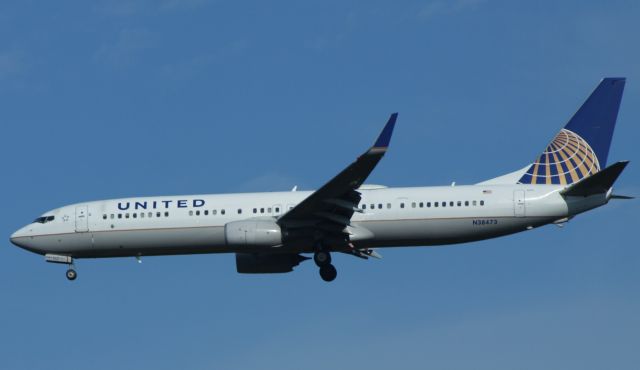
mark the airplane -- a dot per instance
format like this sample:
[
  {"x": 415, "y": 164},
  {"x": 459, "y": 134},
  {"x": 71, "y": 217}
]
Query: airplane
[{"x": 273, "y": 232}]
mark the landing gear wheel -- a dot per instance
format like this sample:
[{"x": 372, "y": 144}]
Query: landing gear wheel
[
  {"x": 328, "y": 273},
  {"x": 72, "y": 274},
  {"x": 322, "y": 258}
]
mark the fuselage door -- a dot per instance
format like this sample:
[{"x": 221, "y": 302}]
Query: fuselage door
[
  {"x": 519, "y": 204},
  {"x": 82, "y": 219}
]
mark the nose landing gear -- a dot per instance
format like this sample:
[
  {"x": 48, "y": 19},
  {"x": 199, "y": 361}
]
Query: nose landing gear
[
  {"x": 71, "y": 274},
  {"x": 66, "y": 260}
]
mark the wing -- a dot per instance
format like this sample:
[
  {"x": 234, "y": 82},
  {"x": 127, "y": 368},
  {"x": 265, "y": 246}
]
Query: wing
[{"x": 325, "y": 214}]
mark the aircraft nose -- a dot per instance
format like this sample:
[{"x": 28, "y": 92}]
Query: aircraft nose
[
  {"x": 24, "y": 239},
  {"x": 15, "y": 238}
]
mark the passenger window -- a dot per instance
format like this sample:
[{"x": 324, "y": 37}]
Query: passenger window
[
  {"x": 444, "y": 204},
  {"x": 112, "y": 215},
  {"x": 239, "y": 211},
  {"x": 450, "y": 204},
  {"x": 482, "y": 202},
  {"x": 214, "y": 212},
  {"x": 166, "y": 214},
  {"x": 269, "y": 210},
  {"x": 104, "y": 217},
  {"x": 197, "y": 213},
  {"x": 261, "y": 210},
  {"x": 126, "y": 215},
  {"x": 401, "y": 205},
  {"x": 141, "y": 214},
  {"x": 222, "y": 211},
  {"x": 372, "y": 206},
  {"x": 466, "y": 203},
  {"x": 277, "y": 209},
  {"x": 364, "y": 206},
  {"x": 190, "y": 213},
  {"x": 150, "y": 214},
  {"x": 421, "y": 205},
  {"x": 435, "y": 204},
  {"x": 459, "y": 203},
  {"x": 158, "y": 214},
  {"x": 206, "y": 212},
  {"x": 474, "y": 203},
  {"x": 255, "y": 210},
  {"x": 379, "y": 205},
  {"x": 388, "y": 205},
  {"x": 119, "y": 215},
  {"x": 135, "y": 215},
  {"x": 428, "y": 204}
]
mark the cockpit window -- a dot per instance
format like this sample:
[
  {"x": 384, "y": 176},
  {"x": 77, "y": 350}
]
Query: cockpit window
[{"x": 44, "y": 219}]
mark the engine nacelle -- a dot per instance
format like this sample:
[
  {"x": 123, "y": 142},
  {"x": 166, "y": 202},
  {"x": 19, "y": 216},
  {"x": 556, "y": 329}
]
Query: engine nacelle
[
  {"x": 254, "y": 263},
  {"x": 255, "y": 233}
]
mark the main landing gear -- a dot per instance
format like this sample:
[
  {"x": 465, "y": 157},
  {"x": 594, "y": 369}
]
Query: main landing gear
[{"x": 323, "y": 260}]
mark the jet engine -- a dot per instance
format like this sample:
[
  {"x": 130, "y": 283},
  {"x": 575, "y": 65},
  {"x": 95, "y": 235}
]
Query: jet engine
[
  {"x": 254, "y": 263},
  {"x": 253, "y": 233}
]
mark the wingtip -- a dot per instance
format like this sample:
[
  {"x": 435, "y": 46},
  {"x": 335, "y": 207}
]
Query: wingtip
[
  {"x": 622, "y": 164},
  {"x": 385, "y": 136}
]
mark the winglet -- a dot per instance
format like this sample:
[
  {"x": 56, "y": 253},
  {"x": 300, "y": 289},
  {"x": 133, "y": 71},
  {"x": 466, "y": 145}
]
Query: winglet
[{"x": 385, "y": 135}]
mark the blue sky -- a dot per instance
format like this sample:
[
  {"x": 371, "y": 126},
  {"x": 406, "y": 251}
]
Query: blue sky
[{"x": 108, "y": 99}]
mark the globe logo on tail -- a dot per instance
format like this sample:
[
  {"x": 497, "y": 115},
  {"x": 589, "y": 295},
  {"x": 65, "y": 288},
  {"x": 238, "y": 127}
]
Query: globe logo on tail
[{"x": 566, "y": 160}]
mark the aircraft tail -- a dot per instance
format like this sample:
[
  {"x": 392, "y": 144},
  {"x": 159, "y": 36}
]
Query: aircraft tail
[{"x": 581, "y": 148}]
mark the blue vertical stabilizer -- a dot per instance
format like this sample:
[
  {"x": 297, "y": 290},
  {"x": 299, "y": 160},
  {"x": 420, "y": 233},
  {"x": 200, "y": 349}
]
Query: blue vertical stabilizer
[{"x": 581, "y": 148}]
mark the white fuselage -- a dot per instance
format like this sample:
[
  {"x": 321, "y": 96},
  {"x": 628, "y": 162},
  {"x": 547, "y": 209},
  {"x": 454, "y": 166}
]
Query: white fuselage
[{"x": 390, "y": 217}]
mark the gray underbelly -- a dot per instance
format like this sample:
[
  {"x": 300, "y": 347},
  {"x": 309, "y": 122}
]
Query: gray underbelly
[
  {"x": 429, "y": 232},
  {"x": 138, "y": 242}
]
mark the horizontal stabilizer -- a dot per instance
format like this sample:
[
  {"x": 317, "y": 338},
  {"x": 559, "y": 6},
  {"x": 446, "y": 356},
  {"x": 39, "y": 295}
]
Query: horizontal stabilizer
[{"x": 597, "y": 183}]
